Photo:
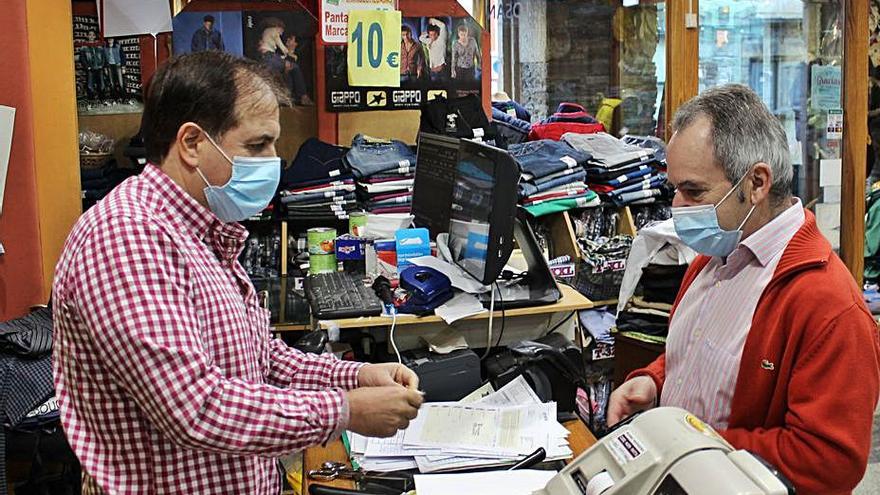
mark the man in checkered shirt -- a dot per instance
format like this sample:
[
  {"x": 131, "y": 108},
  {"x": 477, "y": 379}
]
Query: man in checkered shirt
[{"x": 165, "y": 369}]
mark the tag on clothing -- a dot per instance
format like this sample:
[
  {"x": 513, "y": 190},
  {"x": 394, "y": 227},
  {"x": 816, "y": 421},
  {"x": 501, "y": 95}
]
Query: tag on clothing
[
  {"x": 334, "y": 173},
  {"x": 571, "y": 162},
  {"x": 404, "y": 164},
  {"x": 478, "y": 132}
]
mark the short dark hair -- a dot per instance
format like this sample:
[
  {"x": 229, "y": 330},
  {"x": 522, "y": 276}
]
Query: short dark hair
[
  {"x": 405, "y": 29},
  {"x": 463, "y": 28},
  {"x": 208, "y": 18},
  {"x": 434, "y": 28},
  {"x": 205, "y": 88}
]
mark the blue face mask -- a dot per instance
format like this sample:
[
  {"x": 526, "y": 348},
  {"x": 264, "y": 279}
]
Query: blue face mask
[
  {"x": 249, "y": 190},
  {"x": 697, "y": 227}
]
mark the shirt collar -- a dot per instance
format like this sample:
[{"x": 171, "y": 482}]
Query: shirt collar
[
  {"x": 768, "y": 241},
  {"x": 191, "y": 216}
]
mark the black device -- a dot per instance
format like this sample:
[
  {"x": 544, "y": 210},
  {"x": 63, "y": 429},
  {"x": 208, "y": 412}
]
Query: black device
[
  {"x": 437, "y": 157},
  {"x": 445, "y": 377},
  {"x": 483, "y": 209},
  {"x": 551, "y": 365},
  {"x": 536, "y": 287},
  {"x": 340, "y": 295}
]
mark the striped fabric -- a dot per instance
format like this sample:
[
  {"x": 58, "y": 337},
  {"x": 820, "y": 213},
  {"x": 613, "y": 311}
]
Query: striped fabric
[{"x": 710, "y": 325}]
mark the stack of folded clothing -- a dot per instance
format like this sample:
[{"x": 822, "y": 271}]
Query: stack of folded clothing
[
  {"x": 646, "y": 316},
  {"x": 98, "y": 182},
  {"x": 318, "y": 185},
  {"x": 384, "y": 171},
  {"x": 552, "y": 177},
  {"x": 622, "y": 174},
  {"x": 569, "y": 117}
]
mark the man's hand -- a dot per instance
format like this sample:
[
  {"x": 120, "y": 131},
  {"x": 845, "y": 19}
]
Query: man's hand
[
  {"x": 385, "y": 374},
  {"x": 633, "y": 396},
  {"x": 381, "y": 411}
]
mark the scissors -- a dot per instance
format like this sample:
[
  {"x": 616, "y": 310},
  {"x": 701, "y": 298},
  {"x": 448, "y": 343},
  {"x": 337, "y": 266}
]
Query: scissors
[{"x": 331, "y": 470}]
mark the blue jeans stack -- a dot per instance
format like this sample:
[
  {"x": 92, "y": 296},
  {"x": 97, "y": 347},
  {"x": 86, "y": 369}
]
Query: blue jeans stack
[
  {"x": 384, "y": 171},
  {"x": 318, "y": 185}
]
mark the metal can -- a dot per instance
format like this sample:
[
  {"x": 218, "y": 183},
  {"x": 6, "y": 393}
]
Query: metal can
[
  {"x": 357, "y": 221},
  {"x": 321, "y": 240},
  {"x": 322, "y": 263}
]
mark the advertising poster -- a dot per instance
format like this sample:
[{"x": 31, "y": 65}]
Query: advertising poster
[
  {"x": 439, "y": 56},
  {"x": 200, "y": 31},
  {"x": 334, "y": 16},
  {"x": 283, "y": 41},
  {"x": 107, "y": 71}
]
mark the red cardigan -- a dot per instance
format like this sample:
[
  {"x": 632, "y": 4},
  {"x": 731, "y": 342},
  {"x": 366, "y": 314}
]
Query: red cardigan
[{"x": 809, "y": 378}]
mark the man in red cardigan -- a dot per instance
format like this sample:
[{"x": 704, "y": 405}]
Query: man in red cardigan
[{"x": 769, "y": 341}]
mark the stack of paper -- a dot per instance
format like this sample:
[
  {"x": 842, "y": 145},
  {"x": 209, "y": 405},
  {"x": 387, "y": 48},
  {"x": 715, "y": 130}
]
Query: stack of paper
[{"x": 484, "y": 429}]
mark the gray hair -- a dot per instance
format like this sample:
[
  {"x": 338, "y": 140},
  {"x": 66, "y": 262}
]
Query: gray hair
[{"x": 744, "y": 132}]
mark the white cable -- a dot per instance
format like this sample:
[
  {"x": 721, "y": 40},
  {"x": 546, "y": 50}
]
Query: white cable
[
  {"x": 391, "y": 335},
  {"x": 491, "y": 314}
]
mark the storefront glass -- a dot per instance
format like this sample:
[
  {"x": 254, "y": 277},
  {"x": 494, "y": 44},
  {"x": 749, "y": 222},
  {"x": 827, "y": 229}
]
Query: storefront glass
[{"x": 790, "y": 52}]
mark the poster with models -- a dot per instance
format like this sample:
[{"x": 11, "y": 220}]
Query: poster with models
[
  {"x": 107, "y": 71},
  {"x": 439, "y": 56},
  {"x": 284, "y": 41},
  {"x": 200, "y": 31}
]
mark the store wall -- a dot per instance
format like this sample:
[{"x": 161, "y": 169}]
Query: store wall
[{"x": 21, "y": 270}]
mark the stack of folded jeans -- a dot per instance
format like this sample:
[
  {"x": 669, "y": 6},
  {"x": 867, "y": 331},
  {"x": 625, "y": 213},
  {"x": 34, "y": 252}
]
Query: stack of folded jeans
[
  {"x": 552, "y": 176},
  {"x": 384, "y": 171},
  {"x": 98, "y": 182},
  {"x": 511, "y": 129},
  {"x": 622, "y": 174},
  {"x": 318, "y": 185}
]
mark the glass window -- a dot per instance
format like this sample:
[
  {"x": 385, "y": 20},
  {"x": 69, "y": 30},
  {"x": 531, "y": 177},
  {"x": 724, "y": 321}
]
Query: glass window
[
  {"x": 608, "y": 58},
  {"x": 790, "y": 52}
]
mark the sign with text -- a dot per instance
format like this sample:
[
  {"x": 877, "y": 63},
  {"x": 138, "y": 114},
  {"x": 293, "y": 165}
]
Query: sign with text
[
  {"x": 432, "y": 63},
  {"x": 334, "y": 16},
  {"x": 825, "y": 87},
  {"x": 374, "y": 48}
]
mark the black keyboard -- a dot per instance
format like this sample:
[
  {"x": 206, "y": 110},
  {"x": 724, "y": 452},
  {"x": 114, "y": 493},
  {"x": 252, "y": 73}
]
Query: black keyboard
[{"x": 340, "y": 295}]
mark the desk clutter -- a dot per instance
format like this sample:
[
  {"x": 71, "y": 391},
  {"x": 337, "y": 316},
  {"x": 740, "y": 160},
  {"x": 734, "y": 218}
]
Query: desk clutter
[{"x": 487, "y": 428}]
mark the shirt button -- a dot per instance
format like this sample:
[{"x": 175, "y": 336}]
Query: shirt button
[
  {"x": 678, "y": 382},
  {"x": 718, "y": 283}
]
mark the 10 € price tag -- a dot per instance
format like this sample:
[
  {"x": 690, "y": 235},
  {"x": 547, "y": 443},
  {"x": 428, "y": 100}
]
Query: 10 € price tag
[{"x": 374, "y": 48}]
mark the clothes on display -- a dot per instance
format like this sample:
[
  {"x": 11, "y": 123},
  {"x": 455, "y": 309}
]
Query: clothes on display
[
  {"x": 568, "y": 118},
  {"x": 318, "y": 185},
  {"x": 385, "y": 171},
  {"x": 98, "y": 182}
]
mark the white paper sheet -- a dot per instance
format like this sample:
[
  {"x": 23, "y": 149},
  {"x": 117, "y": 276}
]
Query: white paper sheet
[
  {"x": 133, "y": 17},
  {"x": 516, "y": 393},
  {"x": 394, "y": 447},
  {"x": 829, "y": 172},
  {"x": 7, "y": 124},
  {"x": 478, "y": 394},
  {"x": 459, "y": 307},
  {"x": 521, "y": 482}
]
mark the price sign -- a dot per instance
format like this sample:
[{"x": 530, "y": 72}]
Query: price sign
[{"x": 374, "y": 48}]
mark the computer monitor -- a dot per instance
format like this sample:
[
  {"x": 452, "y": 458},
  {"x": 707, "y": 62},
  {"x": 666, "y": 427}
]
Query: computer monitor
[
  {"x": 437, "y": 157},
  {"x": 483, "y": 210}
]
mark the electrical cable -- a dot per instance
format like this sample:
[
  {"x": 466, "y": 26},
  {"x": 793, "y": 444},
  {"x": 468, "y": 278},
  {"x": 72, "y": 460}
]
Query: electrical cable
[
  {"x": 391, "y": 335},
  {"x": 556, "y": 327}
]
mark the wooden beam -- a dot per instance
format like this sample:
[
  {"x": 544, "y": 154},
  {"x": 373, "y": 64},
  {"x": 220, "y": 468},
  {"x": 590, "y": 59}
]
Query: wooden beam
[
  {"x": 682, "y": 57},
  {"x": 855, "y": 136}
]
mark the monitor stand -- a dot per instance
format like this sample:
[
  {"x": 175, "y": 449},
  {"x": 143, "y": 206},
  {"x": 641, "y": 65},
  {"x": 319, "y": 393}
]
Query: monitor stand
[{"x": 539, "y": 287}]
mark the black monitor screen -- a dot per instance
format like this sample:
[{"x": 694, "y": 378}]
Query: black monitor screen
[{"x": 472, "y": 203}]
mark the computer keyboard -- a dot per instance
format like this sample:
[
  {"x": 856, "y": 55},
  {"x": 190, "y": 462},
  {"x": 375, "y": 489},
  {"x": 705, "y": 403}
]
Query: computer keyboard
[{"x": 340, "y": 295}]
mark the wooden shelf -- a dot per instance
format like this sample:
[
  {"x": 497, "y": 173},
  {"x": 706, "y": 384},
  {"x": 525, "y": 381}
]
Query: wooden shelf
[{"x": 571, "y": 300}]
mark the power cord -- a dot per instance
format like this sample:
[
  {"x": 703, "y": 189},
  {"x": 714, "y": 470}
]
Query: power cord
[{"x": 391, "y": 334}]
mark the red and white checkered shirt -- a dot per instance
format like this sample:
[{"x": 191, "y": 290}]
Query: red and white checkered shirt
[{"x": 165, "y": 369}]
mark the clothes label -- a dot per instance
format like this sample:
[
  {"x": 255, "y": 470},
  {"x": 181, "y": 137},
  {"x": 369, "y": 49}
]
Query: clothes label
[
  {"x": 404, "y": 163},
  {"x": 571, "y": 162},
  {"x": 511, "y": 112},
  {"x": 478, "y": 132},
  {"x": 334, "y": 173}
]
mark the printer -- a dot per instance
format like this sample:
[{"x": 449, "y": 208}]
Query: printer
[{"x": 666, "y": 451}]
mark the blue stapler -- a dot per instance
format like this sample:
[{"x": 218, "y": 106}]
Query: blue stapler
[{"x": 427, "y": 288}]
